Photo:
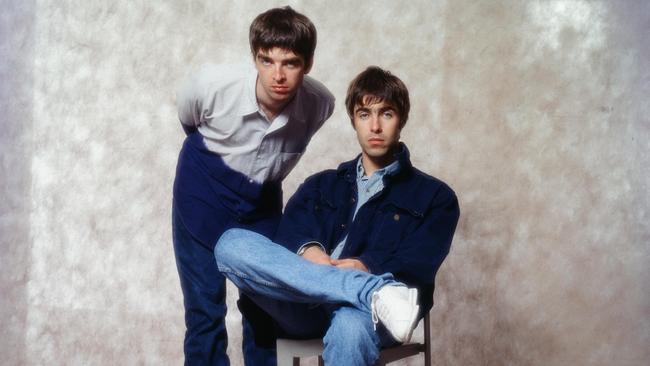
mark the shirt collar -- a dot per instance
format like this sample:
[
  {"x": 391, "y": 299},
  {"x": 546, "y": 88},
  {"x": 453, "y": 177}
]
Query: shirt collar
[
  {"x": 347, "y": 169},
  {"x": 295, "y": 109},
  {"x": 389, "y": 170}
]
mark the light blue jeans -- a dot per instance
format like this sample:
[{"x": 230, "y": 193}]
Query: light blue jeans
[{"x": 305, "y": 299}]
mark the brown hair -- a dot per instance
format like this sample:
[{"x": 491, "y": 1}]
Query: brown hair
[
  {"x": 375, "y": 85},
  {"x": 284, "y": 28}
]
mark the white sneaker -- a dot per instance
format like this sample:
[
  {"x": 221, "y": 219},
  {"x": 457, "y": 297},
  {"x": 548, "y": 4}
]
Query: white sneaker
[{"x": 397, "y": 308}]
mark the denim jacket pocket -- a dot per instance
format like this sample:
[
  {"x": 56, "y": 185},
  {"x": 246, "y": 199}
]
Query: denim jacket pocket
[{"x": 394, "y": 224}]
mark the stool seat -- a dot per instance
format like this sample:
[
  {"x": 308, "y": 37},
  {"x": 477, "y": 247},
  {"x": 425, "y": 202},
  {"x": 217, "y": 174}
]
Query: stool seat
[{"x": 290, "y": 351}]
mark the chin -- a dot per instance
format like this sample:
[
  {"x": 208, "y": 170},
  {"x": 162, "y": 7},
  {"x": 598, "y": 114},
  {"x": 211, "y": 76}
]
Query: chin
[
  {"x": 278, "y": 96},
  {"x": 377, "y": 152}
]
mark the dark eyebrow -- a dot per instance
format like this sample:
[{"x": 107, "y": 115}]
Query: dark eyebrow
[
  {"x": 293, "y": 60},
  {"x": 388, "y": 108}
]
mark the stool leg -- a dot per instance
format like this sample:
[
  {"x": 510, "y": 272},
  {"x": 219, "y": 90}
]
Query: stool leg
[
  {"x": 320, "y": 361},
  {"x": 296, "y": 361}
]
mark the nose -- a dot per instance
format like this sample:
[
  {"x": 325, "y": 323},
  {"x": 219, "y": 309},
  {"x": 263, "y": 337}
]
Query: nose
[
  {"x": 278, "y": 74},
  {"x": 375, "y": 125}
]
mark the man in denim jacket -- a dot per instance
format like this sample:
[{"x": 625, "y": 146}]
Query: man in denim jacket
[{"x": 372, "y": 235}]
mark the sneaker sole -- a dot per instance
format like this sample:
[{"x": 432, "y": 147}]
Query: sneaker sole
[{"x": 413, "y": 297}]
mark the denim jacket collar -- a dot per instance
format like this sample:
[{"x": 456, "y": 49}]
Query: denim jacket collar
[{"x": 349, "y": 168}]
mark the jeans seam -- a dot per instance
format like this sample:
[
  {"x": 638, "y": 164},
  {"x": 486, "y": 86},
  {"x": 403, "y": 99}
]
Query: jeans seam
[{"x": 249, "y": 278}]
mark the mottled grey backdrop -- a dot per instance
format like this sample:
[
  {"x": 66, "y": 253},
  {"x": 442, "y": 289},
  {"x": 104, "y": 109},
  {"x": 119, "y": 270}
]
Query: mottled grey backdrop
[{"x": 535, "y": 112}]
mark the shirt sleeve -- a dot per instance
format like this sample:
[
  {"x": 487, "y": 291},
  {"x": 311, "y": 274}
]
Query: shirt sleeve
[
  {"x": 195, "y": 98},
  {"x": 331, "y": 101},
  {"x": 322, "y": 102},
  {"x": 310, "y": 244}
]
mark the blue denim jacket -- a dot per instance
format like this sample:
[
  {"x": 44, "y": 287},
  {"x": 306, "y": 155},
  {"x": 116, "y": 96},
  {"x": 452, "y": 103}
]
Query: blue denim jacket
[{"x": 405, "y": 230}]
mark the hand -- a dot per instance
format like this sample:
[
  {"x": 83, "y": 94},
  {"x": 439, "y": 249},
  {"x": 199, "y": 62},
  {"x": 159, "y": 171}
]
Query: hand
[
  {"x": 350, "y": 263},
  {"x": 316, "y": 255}
]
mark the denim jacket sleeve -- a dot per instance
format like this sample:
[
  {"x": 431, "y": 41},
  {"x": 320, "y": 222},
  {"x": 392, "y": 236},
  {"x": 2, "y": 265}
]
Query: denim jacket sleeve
[
  {"x": 421, "y": 251},
  {"x": 302, "y": 218}
]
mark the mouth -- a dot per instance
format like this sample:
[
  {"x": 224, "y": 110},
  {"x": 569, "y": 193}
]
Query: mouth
[
  {"x": 280, "y": 89},
  {"x": 375, "y": 141}
]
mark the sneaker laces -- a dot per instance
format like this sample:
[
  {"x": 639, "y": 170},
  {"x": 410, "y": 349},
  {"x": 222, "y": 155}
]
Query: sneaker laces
[{"x": 374, "y": 311}]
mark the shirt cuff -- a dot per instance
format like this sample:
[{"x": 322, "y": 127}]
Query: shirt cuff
[{"x": 308, "y": 244}]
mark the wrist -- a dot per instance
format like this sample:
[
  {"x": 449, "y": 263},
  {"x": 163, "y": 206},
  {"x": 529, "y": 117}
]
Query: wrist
[{"x": 305, "y": 247}]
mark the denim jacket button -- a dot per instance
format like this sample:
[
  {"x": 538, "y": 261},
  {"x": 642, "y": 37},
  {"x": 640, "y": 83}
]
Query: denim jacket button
[{"x": 396, "y": 217}]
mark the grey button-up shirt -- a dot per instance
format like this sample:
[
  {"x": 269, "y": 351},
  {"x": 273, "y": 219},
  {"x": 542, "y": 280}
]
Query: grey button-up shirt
[{"x": 220, "y": 101}]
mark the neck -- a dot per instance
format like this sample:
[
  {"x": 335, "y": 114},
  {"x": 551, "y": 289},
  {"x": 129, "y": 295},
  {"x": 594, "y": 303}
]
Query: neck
[
  {"x": 271, "y": 111},
  {"x": 373, "y": 163},
  {"x": 270, "y": 108}
]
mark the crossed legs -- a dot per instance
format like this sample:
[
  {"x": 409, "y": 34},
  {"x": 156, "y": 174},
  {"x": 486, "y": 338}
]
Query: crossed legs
[{"x": 307, "y": 300}]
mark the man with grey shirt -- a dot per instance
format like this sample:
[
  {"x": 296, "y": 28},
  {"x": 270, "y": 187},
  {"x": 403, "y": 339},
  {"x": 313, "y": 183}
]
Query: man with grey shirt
[{"x": 246, "y": 129}]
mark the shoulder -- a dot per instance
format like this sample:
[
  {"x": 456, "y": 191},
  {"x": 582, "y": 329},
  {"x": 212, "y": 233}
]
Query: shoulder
[
  {"x": 332, "y": 184},
  {"x": 327, "y": 182},
  {"x": 219, "y": 89},
  {"x": 317, "y": 95},
  {"x": 432, "y": 185},
  {"x": 215, "y": 77},
  {"x": 422, "y": 193},
  {"x": 322, "y": 178},
  {"x": 316, "y": 89}
]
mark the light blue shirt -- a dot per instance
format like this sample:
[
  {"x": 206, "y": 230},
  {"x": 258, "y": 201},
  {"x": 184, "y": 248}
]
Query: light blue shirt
[{"x": 367, "y": 187}]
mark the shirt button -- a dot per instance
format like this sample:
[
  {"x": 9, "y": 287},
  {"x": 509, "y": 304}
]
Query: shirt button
[
  {"x": 342, "y": 226},
  {"x": 353, "y": 200},
  {"x": 250, "y": 181}
]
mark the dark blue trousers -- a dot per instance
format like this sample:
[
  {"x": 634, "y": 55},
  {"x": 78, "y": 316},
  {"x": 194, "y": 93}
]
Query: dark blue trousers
[
  {"x": 204, "y": 294},
  {"x": 210, "y": 198}
]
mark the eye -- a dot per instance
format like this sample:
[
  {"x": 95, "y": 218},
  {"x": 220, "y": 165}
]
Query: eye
[
  {"x": 388, "y": 114},
  {"x": 265, "y": 61},
  {"x": 294, "y": 64},
  {"x": 363, "y": 115}
]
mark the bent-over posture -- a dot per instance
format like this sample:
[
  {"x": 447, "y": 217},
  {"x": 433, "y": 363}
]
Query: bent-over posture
[{"x": 246, "y": 127}]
